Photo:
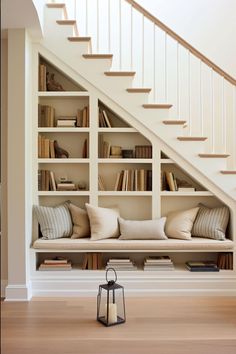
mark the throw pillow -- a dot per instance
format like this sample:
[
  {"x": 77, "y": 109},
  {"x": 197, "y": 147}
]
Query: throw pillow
[
  {"x": 103, "y": 222},
  {"x": 142, "y": 230},
  {"x": 81, "y": 227},
  {"x": 55, "y": 222},
  {"x": 211, "y": 222},
  {"x": 179, "y": 224}
]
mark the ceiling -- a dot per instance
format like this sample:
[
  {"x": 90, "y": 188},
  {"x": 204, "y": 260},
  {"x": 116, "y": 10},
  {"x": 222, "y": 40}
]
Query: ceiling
[{"x": 19, "y": 14}]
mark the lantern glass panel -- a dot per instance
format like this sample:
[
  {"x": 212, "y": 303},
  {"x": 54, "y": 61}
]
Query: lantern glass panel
[{"x": 111, "y": 305}]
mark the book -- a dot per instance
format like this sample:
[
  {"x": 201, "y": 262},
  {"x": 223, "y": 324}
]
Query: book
[
  {"x": 56, "y": 260},
  {"x": 170, "y": 181},
  {"x": 66, "y": 123},
  {"x": 202, "y": 266},
  {"x": 107, "y": 121},
  {"x": 53, "y": 182}
]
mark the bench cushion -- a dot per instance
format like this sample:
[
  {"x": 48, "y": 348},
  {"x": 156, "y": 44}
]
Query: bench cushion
[{"x": 86, "y": 244}]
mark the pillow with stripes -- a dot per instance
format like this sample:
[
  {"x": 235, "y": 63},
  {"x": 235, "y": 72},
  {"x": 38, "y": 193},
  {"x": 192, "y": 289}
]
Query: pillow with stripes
[
  {"x": 55, "y": 222},
  {"x": 211, "y": 222}
]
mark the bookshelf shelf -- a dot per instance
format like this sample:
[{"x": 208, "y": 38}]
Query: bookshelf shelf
[
  {"x": 125, "y": 161},
  {"x": 63, "y": 94},
  {"x": 64, "y": 161},
  {"x": 63, "y": 130},
  {"x": 63, "y": 193},
  {"x": 117, "y": 130},
  {"x": 186, "y": 194},
  {"x": 125, "y": 193},
  {"x": 167, "y": 161}
]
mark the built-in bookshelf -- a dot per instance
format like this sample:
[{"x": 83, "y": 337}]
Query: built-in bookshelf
[{"x": 88, "y": 153}]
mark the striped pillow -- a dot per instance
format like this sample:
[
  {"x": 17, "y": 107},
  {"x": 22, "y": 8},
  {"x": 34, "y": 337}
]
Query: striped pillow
[
  {"x": 211, "y": 223},
  {"x": 55, "y": 222}
]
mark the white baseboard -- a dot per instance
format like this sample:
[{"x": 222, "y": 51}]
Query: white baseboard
[
  {"x": 18, "y": 292},
  {"x": 161, "y": 287}
]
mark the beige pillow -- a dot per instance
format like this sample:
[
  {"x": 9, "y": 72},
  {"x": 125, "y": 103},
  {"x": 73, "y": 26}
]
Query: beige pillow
[
  {"x": 143, "y": 229},
  {"x": 179, "y": 224},
  {"x": 211, "y": 222},
  {"x": 80, "y": 220},
  {"x": 103, "y": 222}
]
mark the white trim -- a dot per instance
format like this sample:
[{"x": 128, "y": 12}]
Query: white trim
[{"x": 18, "y": 292}]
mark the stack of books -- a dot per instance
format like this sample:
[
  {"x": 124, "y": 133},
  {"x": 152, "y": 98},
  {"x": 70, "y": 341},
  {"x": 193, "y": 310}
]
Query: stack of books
[
  {"x": 104, "y": 121},
  {"x": 202, "y": 266},
  {"x": 143, "y": 151},
  {"x": 66, "y": 121},
  {"x": 133, "y": 180},
  {"x": 162, "y": 263},
  {"x": 56, "y": 263},
  {"x": 82, "y": 118},
  {"x": 46, "y": 180},
  {"x": 225, "y": 260},
  {"x": 92, "y": 261},
  {"x": 46, "y": 148},
  {"x": 121, "y": 264},
  {"x": 46, "y": 116}
]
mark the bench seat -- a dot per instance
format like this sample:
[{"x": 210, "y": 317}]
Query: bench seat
[{"x": 111, "y": 245}]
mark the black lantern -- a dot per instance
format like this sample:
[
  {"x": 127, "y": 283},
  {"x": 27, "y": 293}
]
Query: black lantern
[{"x": 111, "y": 302}]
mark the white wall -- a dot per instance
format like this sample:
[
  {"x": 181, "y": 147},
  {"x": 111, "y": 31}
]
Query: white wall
[{"x": 208, "y": 25}]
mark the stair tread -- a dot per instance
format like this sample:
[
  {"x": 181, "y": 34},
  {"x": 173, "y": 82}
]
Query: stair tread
[
  {"x": 66, "y": 22},
  {"x": 98, "y": 56},
  {"x": 192, "y": 138},
  {"x": 214, "y": 155},
  {"x": 138, "y": 90},
  {"x": 174, "y": 122},
  {"x": 56, "y": 5},
  {"x": 120, "y": 73},
  {"x": 156, "y": 105},
  {"x": 79, "y": 39},
  {"x": 228, "y": 172}
]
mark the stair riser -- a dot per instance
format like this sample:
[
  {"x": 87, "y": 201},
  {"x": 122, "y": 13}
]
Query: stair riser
[
  {"x": 53, "y": 15},
  {"x": 59, "y": 32}
]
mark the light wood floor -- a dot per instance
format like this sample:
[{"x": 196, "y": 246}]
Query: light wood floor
[{"x": 190, "y": 325}]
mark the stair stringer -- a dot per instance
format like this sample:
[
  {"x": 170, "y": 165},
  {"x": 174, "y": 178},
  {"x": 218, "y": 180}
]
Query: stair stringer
[{"x": 151, "y": 131}]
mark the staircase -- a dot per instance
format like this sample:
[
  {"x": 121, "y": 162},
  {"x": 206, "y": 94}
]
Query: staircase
[{"x": 186, "y": 101}]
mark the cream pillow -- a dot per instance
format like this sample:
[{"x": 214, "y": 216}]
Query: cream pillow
[
  {"x": 103, "y": 222},
  {"x": 80, "y": 220},
  {"x": 143, "y": 229},
  {"x": 179, "y": 224}
]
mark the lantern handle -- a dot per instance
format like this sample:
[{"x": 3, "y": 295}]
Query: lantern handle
[{"x": 111, "y": 281}]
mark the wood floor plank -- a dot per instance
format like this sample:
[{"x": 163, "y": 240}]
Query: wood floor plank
[{"x": 174, "y": 325}]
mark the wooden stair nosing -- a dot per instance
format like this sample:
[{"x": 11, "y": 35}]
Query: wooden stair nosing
[
  {"x": 192, "y": 138},
  {"x": 157, "y": 105},
  {"x": 138, "y": 90},
  {"x": 174, "y": 122},
  {"x": 56, "y": 5},
  {"x": 66, "y": 22},
  {"x": 228, "y": 172},
  {"x": 119, "y": 73},
  {"x": 98, "y": 56},
  {"x": 213, "y": 155},
  {"x": 79, "y": 39}
]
